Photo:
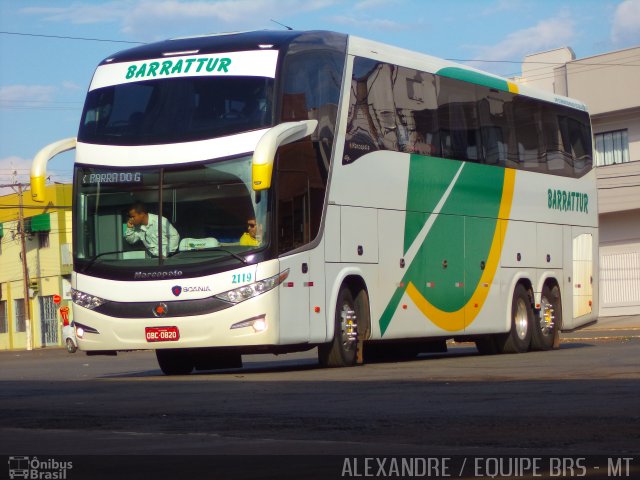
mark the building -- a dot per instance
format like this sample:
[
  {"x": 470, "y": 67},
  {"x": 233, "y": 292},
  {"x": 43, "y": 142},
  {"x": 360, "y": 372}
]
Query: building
[
  {"x": 608, "y": 84},
  {"x": 47, "y": 229}
]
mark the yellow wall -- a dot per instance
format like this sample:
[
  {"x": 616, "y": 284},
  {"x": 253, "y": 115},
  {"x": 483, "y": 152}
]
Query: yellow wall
[{"x": 44, "y": 264}]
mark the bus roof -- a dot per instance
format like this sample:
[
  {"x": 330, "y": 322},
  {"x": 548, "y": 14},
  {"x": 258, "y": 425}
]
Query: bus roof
[
  {"x": 280, "y": 39},
  {"x": 214, "y": 43}
]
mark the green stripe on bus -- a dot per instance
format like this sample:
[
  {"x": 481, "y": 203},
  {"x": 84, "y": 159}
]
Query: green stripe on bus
[
  {"x": 474, "y": 77},
  {"x": 429, "y": 178}
]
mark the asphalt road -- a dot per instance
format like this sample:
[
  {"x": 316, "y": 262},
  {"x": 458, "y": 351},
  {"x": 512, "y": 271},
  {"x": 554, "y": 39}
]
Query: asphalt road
[{"x": 581, "y": 399}]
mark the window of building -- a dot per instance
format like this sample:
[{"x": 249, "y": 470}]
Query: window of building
[
  {"x": 4, "y": 328},
  {"x": 18, "y": 308},
  {"x": 612, "y": 147},
  {"x": 43, "y": 239}
]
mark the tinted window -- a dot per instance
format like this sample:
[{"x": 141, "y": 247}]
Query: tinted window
[
  {"x": 176, "y": 110},
  {"x": 311, "y": 83},
  {"x": 458, "y": 120},
  {"x": 400, "y": 109}
]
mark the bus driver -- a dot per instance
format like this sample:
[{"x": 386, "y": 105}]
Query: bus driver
[{"x": 143, "y": 226}]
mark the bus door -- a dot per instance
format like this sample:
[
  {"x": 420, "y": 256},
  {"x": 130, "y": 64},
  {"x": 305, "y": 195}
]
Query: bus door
[{"x": 582, "y": 276}]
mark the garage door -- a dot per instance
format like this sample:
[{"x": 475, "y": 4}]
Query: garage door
[{"x": 620, "y": 279}]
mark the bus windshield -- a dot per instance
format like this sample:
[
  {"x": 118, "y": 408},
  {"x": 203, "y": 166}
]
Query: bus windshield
[
  {"x": 178, "y": 216},
  {"x": 176, "y": 110}
]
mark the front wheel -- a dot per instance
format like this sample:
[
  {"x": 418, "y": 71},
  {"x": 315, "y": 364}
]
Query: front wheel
[
  {"x": 71, "y": 347},
  {"x": 343, "y": 349}
]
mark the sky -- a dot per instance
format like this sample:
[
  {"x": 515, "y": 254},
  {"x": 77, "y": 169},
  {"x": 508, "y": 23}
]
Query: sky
[{"x": 49, "y": 49}]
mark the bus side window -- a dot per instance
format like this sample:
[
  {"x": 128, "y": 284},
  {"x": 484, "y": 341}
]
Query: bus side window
[
  {"x": 299, "y": 195},
  {"x": 528, "y": 133},
  {"x": 576, "y": 141},
  {"x": 493, "y": 124},
  {"x": 311, "y": 90},
  {"x": 458, "y": 120}
]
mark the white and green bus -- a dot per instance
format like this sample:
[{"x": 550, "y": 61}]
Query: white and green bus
[{"x": 312, "y": 189}]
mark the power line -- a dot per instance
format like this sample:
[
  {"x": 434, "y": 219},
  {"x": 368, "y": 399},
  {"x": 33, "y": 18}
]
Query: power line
[
  {"x": 620, "y": 186},
  {"x": 544, "y": 63},
  {"x": 574, "y": 67},
  {"x": 64, "y": 37},
  {"x": 546, "y": 72},
  {"x": 516, "y": 62},
  {"x": 50, "y": 108}
]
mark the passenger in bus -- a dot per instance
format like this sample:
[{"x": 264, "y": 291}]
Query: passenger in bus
[
  {"x": 250, "y": 236},
  {"x": 143, "y": 226}
]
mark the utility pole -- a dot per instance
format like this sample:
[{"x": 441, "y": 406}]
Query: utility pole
[
  {"x": 23, "y": 253},
  {"x": 25, "y": 270}
]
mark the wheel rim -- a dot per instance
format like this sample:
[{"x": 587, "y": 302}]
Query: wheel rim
[
  {"x": 521, "y": 320},
  {"x": 348, "y": 327},
  {"x": 547, "y": 317}
]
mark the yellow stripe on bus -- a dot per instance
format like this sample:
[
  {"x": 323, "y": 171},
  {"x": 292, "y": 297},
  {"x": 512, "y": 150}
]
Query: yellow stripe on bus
[{"x": 461, "y": 318}]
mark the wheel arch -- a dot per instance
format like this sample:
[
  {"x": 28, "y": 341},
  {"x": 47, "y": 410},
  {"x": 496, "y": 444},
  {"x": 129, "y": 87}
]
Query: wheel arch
[
  {"x": 352, "y": 278},
  {"x": 547, "y": 279}
]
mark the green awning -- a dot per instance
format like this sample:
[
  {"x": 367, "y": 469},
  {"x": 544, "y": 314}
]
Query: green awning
[{"x": 41, "y": 223}]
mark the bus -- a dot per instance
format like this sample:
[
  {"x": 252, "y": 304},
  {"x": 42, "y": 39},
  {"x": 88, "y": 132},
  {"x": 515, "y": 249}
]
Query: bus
[{"x": 279, "y": 191}]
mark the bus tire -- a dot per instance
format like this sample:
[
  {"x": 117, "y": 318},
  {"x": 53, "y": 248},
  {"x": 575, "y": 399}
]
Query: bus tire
[
  {"x": 71, "y": 347},
  {"x": 342, "y": 351},
  {"x": 546, "y": 330},
  {"x": 518, "y": 339},
  {"x": 175, "y": 361}
]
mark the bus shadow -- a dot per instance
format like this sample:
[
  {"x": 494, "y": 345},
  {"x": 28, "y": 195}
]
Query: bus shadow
[{"x": 310, "y": 363}]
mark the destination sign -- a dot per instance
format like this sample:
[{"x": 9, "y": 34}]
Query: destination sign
[{"x": 111, "y": 178}]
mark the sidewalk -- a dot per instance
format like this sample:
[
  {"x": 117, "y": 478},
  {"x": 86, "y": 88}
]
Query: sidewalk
[{"x": 608, "y": 327}]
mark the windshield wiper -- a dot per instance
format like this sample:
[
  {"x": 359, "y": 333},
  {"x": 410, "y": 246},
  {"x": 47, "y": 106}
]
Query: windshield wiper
[
  {"x": 213, "y": 249},
  {"x": 95, "y": 257}
]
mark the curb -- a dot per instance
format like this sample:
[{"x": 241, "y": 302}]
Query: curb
[{"x": 601, "y": 334}]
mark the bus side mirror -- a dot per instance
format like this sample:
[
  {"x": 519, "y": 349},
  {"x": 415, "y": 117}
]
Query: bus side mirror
[
  {"x": 265, "y": 153},
  {"x": 39, "y": 165}
]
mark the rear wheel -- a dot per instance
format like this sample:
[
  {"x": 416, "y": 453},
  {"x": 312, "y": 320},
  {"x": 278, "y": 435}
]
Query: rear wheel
[
  {"x": 175, "y": 361},
  {"x": 342, "y": 351},
  {"x": 546, "y": 331},
  {"x": 518, "y": 339}
]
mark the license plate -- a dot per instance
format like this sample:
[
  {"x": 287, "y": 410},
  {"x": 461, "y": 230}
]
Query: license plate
[{"x": 162, "y": 334}]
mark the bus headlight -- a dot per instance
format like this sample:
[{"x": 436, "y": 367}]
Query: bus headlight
[
  {"x": 85, "y": 300},
  {"x": 246, "y": 292},
  {"x": 258, "y": 323}
]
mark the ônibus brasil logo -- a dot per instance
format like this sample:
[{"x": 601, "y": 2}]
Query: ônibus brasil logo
[{"x": 27, "y": 467}]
